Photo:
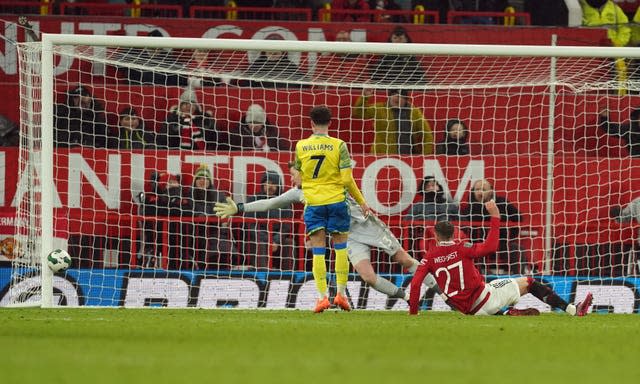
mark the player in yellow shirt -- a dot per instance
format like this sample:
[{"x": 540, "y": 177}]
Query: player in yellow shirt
[{"x": 325, "y": 167}]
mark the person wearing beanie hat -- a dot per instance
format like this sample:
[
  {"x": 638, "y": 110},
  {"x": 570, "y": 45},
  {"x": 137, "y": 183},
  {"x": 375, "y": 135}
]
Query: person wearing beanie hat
[
  {"x": 80, "y": 120},
  {"x": 130, "y": 132},
  {"x": 256, "y": 133},
  {"x": 255, "y": 115},
  {"x": 203, "y": 192},
  {"x": 211, "y": 241},
  {"x": 400, "y": 128},
  {"x": 188, "y": 126},
  {"x": 277, "y": 240}
]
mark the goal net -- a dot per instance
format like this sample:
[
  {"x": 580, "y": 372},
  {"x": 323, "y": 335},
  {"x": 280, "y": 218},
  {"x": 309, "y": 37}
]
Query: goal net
[{"x": 127, "y": 144}]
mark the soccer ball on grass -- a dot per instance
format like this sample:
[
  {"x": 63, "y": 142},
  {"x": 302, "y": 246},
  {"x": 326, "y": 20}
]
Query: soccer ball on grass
[{"x": 58, "y": 260}]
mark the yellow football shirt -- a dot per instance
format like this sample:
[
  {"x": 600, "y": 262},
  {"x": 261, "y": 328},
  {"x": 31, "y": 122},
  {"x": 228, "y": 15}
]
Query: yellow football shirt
[{"x": 319, "y": 159}]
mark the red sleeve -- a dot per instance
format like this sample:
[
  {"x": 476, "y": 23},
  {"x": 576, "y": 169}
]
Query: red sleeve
[
  {"x": 416, "y": 283},
  {"x": 490, "y": 244}
]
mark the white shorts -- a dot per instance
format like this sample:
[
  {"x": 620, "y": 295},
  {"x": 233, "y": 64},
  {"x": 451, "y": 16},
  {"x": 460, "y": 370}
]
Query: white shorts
[
  {"x": 504, "y": 292},
  {"x": 371, "y": 233}
]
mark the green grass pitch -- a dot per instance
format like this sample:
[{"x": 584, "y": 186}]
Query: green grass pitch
[{"x": 233, "y": 346}]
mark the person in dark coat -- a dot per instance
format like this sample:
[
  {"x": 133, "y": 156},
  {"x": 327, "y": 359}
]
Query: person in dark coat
[
  {"x": 256, "y": 133},
  {"x": 131, "y": 133},
  {"x": 80, "y": 121},
  {"x": 455, "y": 143}
]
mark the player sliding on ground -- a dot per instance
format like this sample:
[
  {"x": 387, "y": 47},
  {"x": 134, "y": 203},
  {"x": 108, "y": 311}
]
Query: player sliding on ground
[
  {"x": 365, "y": 233},
  {"x": 462, "y": 285}
]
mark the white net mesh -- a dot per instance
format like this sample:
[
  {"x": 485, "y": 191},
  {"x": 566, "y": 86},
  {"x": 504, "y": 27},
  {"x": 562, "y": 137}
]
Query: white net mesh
[{"x": 147, "y": 140}]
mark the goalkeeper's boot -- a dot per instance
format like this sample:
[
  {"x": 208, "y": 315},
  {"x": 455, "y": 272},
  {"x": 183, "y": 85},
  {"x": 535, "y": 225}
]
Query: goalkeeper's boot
[
  {"x": 583, "y": 307},
  {"x": 322, "y": 304},
  {"x": 342, "y": 302},
  {"x": 522, "y": 312}
]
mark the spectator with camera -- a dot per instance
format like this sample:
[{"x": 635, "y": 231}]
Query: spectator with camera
[
  {"x": 435, "y": 205},
  {"x": 509, "y": 258}
]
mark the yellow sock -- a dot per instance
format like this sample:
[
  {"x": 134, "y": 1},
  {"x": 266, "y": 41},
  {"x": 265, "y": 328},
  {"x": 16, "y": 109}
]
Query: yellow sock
[
  {"x": 342, "y": 267},
  {"x": 320, "y": 274}
]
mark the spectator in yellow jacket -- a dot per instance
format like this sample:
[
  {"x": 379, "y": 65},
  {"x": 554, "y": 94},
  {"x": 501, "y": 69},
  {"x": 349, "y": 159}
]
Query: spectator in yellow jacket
[
  {"x": 635, "y": 30},
  {"x": 608, "y": 14},
  {"x": 400, "y": 127}
]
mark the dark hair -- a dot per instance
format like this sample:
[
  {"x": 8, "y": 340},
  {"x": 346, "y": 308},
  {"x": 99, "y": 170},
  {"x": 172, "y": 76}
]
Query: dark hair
[
  {"x": 444, "y": 230},
  {"x": 396, "y": 91},
  {"x": 400, "y": 31},
  {"x": 453, "y": 122},
  {"x": 320, "y": 115},
  {"x": 426, "y": 181}
]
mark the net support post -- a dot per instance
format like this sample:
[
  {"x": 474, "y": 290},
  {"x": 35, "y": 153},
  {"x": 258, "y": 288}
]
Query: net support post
[
  {"x": 548, "y": 227},
  {"x": 46, "y": 169}
]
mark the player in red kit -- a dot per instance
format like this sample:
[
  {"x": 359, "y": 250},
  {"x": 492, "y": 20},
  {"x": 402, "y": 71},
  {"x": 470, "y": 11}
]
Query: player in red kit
[{"x": 462, "y": 285}]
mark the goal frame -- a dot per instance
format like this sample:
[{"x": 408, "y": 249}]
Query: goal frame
[{"x": 47, "y": 96}]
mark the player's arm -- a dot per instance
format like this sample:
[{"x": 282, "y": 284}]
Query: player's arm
[
  {"x": 416, "y": 283},
  {"x": 490, "y": 244},
  {"x": 348, "y": 181},
  {"x": 231, "y": 208}
]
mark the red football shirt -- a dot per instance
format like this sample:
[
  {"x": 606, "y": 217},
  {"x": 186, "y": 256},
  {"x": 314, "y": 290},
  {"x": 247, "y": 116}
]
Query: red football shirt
[{"x": 453, "y": 268}]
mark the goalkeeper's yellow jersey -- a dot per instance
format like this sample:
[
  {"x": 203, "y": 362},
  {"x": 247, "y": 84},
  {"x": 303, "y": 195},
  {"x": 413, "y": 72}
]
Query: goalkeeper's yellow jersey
[{"x": 319, "y": 159}]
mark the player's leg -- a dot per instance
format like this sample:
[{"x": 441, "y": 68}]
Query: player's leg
[
  {"x": 360, "y": 258},
  {"x": 316, "y": 224},
  {"x": 501, "y": 293},
  {"x": 338, "y": 225},
  {"x": 545, "y": 294}
]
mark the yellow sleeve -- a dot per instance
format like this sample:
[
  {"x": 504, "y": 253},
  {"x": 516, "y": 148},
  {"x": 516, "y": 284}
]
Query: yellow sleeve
[
  {"x": 361, "y": 110},
  {"x": 350, "y": 184}
]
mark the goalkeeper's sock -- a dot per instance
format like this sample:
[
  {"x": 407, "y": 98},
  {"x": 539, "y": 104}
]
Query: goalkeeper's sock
[
  {"x": 320, "y": 271},
  {"x": 342, "y": 267},
  {"x": 546, "y": 295},
  {"x": 388, "y": 288}
]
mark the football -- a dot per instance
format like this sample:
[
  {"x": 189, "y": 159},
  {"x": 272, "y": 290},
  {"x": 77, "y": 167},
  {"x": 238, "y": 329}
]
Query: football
[{"x": 58, "y": 260}]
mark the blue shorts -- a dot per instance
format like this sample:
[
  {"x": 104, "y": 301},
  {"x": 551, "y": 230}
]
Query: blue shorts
[{"x": 332, "y": 218}]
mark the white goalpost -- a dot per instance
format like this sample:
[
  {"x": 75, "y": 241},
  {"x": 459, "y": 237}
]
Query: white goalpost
[{"x": 544, "y": 132}]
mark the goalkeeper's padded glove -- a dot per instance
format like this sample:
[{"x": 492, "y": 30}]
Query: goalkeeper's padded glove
[{"x": 228, "y": 209}]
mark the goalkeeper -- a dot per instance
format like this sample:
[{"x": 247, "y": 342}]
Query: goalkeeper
[{"x": 366, "y": 233}]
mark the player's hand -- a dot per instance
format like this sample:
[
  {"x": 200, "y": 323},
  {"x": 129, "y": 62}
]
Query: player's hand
[
  {"x": 492, "y": 208},
  {"x": 366, "y": 211},
  {"x": 225, "y": 210}
]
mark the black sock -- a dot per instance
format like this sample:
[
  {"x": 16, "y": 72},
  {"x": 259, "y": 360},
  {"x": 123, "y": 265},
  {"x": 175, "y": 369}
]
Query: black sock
[{"x": 546, "y": 294}]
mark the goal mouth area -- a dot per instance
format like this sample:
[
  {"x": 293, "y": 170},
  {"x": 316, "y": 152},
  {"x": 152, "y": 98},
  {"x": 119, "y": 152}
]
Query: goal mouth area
[{"x": 530, "y": 115}]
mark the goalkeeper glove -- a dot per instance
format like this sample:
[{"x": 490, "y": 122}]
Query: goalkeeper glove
[{"x": 228, "y": 209}]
